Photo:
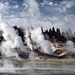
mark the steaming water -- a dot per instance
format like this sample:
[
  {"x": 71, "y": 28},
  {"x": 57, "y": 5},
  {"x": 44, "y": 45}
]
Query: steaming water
[{"x": 20, "y": 66}]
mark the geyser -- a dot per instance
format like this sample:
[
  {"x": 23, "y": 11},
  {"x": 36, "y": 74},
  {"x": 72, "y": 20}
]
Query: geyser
[
  {"x": 27, "y": 38},
  {"x": 38, "y": 38},
  {"x": 12, "y": 40}
]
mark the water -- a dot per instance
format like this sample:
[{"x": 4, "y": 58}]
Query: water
[{"x": 12, "y": 66}]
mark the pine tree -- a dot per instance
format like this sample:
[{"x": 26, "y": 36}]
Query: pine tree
[
  {"x": 58, "y": 34},
  {"x": 53, "y": 31},
  {"x": 19, "y": 32},
  {"x": 50, "y": 33}
]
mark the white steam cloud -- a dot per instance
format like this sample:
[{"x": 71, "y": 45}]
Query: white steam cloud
[
  {"x": 12, "y": 40},
  {"x": 38, "y": 38},
  {"x": 70, "y": 46},
  {"x": 27, "y": 38}
]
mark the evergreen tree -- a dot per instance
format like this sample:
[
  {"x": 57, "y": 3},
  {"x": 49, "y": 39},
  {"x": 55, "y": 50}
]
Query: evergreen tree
[
  {"x": 53, "y": 34},
  {"x": 53, "y": 31},
  {"x": 63, "y": 38},
  {"x": 19, "y": 32},
  {"x": 50, "y": 33},
  {"x": 58, "y": 34},
  {"x": 42, "y": 29}
]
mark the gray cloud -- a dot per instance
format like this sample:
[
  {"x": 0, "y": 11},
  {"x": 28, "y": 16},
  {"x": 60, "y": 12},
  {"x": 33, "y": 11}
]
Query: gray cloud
[{"x": 32, "y": 16}]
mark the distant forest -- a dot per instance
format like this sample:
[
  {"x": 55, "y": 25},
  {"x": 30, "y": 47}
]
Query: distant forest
[
  {"x": 58, "y": 36},
  {"x": 50, "y": 34}
]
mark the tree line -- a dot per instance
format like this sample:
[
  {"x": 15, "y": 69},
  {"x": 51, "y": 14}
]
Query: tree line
[{"x": 58, "y": 36}]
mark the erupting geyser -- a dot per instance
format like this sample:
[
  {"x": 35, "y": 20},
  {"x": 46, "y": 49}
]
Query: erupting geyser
[
  {"x": 27, "y": 38},
  {"x": 11, "y": 41},
  {"x": 38, "y": 38}
]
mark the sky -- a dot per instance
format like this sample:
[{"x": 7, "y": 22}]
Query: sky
[{"x": 45, "y": 13}]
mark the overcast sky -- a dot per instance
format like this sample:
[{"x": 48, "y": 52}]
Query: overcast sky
[{"x": 46, "y": 13}]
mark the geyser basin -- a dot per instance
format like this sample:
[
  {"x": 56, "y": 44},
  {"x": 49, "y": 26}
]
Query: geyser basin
[{"x": 31, "y": 19}]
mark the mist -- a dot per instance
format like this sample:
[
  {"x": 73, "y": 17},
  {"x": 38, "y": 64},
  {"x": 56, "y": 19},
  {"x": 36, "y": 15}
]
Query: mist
[
  {"x": 27, "y": 38},
  {"x": 12, "y": 40},
  {"x": 70, "y": 47},
  {"x": 31, "y": 15},
  {"x": 38, "y": 38}
]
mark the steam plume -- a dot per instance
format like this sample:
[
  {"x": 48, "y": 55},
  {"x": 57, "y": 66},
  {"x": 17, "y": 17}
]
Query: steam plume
[
  {"x": 12, "y": 40},
  {"x": 37, "y": 36},
  {"x": 27, "y": 38},
  {"x": 70, "y": 46}
]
